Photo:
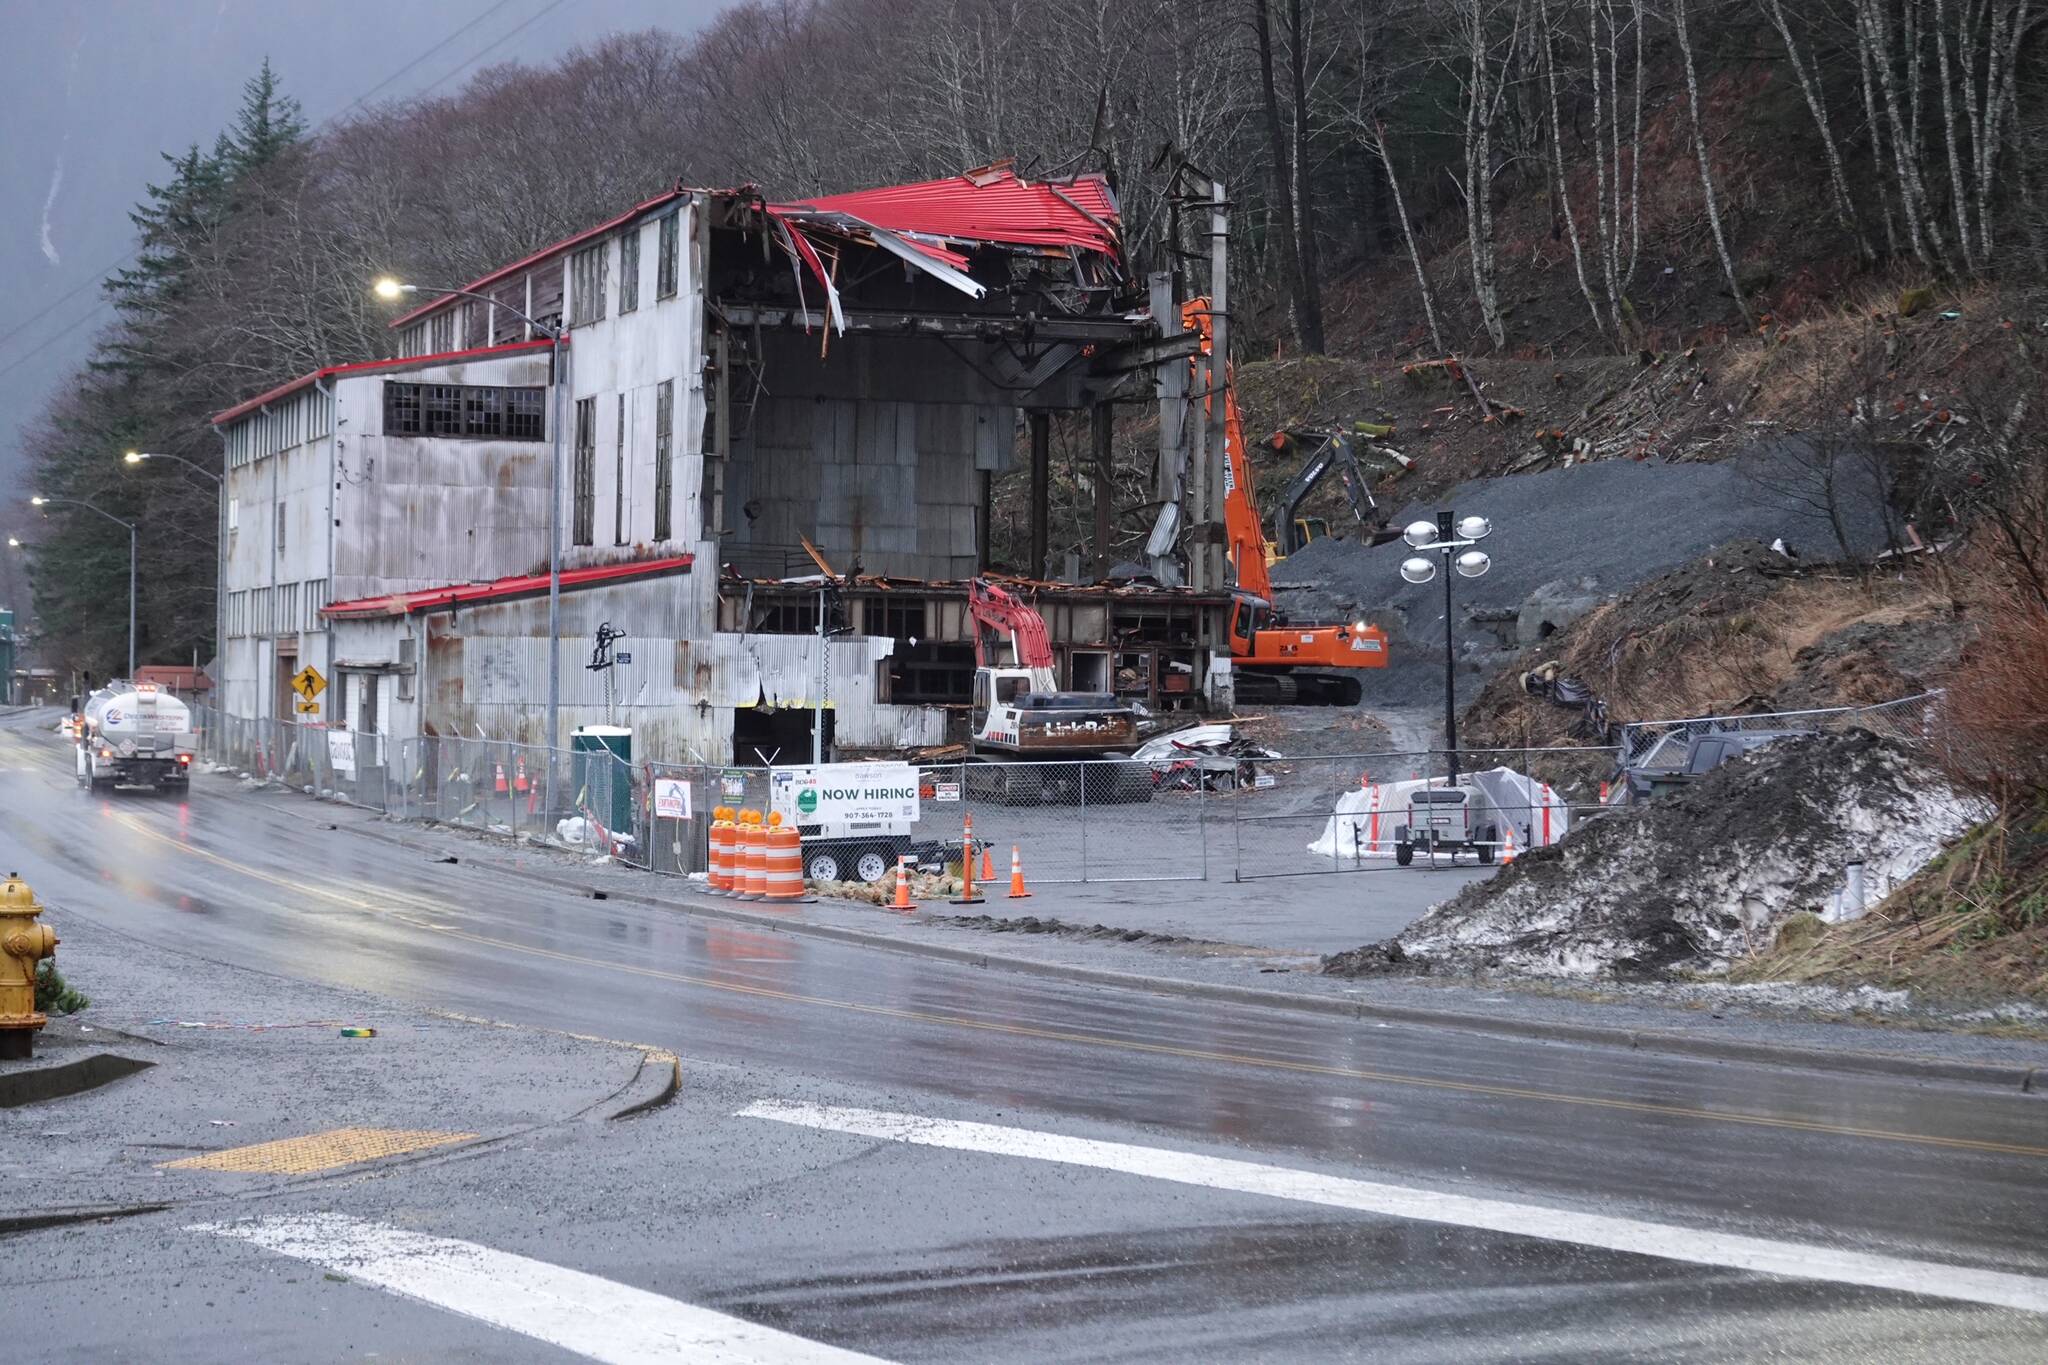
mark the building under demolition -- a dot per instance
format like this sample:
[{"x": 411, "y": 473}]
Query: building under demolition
[{"x": 778, "y": 428}]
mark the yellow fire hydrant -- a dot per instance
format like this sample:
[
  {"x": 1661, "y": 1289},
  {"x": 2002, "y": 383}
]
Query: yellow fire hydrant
[{"x": 23, "y": 943}]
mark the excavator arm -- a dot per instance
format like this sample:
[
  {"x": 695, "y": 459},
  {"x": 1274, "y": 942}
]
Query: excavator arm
[
  {"x": 1277, "y": 661},
  {"x": 1337, "y": 454}
]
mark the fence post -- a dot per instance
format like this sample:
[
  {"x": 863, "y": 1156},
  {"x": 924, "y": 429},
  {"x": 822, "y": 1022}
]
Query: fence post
[{"x": 1083, "y": 784}]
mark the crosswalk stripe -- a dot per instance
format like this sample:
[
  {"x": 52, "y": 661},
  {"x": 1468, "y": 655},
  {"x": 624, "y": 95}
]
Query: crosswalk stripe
[
  {"x": 590, "y": 1316},
  {"x": 1698, "y": 1246}
]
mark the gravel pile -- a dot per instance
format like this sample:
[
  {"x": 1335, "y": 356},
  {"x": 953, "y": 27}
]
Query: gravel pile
[{"x": 1603, "y": 527}]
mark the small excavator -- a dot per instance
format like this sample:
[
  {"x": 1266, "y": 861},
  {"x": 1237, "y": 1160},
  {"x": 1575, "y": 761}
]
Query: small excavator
[
  {"x": 1330, "y": 452},
  {"x": 1277, "y": 661}
]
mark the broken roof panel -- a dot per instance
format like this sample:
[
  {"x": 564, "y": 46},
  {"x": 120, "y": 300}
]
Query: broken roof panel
[{"x": 991, "y": 205}]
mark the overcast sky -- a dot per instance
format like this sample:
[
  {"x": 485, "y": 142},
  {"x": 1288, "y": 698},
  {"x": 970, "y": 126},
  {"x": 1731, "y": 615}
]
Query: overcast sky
[{"x": 96, "y": 89}]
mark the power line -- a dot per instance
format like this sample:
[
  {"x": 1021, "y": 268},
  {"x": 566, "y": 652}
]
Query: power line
[{"x": 95, "y": 280}]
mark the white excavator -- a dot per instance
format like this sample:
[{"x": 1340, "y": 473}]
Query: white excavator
[{"x": 1060, "y": 746}]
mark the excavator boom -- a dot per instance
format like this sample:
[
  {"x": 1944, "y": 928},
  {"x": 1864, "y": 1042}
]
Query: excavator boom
[{"x": 1276, "y": 660}]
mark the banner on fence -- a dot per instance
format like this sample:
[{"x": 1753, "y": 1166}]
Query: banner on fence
[
  {"x": 341, "y": 751},
  {"x": 671, "y": 798}
]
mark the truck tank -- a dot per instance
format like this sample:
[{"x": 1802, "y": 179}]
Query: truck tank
[{"x": 135, "y": 736}]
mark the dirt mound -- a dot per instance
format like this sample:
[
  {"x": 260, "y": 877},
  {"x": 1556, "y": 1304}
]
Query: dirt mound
[
  {"x": 1741, "y": 629},
  {"x": 1697, "y": 880}
]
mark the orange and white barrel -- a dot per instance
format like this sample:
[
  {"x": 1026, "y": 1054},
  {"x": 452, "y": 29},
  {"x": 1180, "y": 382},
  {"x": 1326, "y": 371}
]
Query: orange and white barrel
[{"x": 785, "y": 871}]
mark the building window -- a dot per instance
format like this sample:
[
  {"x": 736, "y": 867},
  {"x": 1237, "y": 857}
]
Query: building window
[
  {"x": 586, "y": 284},
  {"x": 664, "y": 441},
  {"x": 619, "y": 479},
  {"x": 476, "y": 411},
  {"x": 629, "y": 270},
  {"x": 234, "y": 515},
  {"x": 665, "y": 266},
  {"x": 585, "y": 512},
  {"x": 280, "y": 525},
  {"x": 441, "y": 331}
]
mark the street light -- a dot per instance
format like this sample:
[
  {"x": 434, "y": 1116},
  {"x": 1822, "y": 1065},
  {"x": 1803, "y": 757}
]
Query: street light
[
  {"x": 1447, "y": 537},
  {"x": 389, "y": 288},
  {"x": 40, "y": 501},
  {"x": 136, "y": 457}
]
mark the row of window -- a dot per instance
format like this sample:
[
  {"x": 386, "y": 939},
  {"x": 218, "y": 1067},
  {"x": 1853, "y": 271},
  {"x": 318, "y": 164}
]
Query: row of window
[
  {"x": 305, "y": 416},
  {"x": 284, "y": 610},
  {"x": 481, "y": 411},
  {"x": 583, "y": 513},
  {"x": 538, "y": 294}
]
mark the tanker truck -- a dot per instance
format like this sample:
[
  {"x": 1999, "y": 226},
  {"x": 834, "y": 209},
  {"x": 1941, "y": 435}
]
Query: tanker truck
[{"x": 135, "y": 736}]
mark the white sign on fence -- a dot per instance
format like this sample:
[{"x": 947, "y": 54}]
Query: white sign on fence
[
  {"x": 341, "y": 751},
  {"x": 671, "y": 798},
  {"x": 846, "y": 795},
  {"x": 945, "y": 791}
]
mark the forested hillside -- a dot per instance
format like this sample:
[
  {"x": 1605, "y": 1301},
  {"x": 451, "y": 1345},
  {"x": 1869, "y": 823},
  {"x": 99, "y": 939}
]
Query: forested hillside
[{"x": 1509, "y": 178}]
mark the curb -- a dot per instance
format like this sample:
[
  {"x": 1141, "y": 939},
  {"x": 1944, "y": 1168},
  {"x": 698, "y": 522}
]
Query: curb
[{"x": 2018, "y": 1078}]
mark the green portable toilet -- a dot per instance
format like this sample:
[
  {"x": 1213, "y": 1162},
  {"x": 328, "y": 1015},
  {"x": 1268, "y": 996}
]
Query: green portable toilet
[{"x": 602, "y": 756}]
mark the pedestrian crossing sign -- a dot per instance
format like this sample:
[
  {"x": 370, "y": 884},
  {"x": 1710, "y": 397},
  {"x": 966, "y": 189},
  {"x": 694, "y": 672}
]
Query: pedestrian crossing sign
[{"x": 308, "y": 683}]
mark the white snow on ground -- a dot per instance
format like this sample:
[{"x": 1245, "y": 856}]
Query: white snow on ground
[{"x": 1701, "y": 878}]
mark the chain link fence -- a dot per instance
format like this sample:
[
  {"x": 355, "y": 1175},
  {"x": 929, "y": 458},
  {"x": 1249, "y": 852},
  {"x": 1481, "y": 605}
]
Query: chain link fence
[{"x": 1191, "y": 817}]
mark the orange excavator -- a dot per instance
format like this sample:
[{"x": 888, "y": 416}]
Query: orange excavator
[{"x": 1276, "y": 661}]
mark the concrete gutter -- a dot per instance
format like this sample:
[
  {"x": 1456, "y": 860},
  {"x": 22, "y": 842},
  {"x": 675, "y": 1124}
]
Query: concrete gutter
[{"x": 2021, "y": 1078}]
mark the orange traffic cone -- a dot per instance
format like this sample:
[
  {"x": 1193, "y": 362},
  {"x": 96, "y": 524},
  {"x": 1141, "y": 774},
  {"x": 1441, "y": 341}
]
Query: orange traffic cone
[
  {"x": 1507, "y": 850},
  {"x": 988, "y": 865},
  {"x": 519, "y": 774},
  {"x": 902, "y": 901},
  {"x": 501, "y": 787},
  {"x": 1603, "y": 793},
  {"x": 1017, "y": 891}
]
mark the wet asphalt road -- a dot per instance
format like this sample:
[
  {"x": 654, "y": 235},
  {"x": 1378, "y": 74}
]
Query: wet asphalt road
[{"x": 910, "y": 1252}]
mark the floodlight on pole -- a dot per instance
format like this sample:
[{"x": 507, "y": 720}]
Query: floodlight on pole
[
  {"x": 1452, "y": 537},
  {"x": 388, "y": 287}
]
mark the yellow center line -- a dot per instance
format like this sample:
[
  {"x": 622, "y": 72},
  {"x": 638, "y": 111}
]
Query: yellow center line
[{"x": 1119, "y": 1044}]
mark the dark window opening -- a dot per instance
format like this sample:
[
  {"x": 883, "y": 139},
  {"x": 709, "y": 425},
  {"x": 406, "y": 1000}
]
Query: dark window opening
[
  {"x": 664, "y": 469},
  {"x": 666, "y": 263},
  {"x": 928, "y": 673},
  {"x": 468, "y": 410},
  {"x": 584, "y": 516},
  {"x": 619, "y": 479},
  {"x": 786, "y": 616},
  {"x": 629, "y": 270},
  {"x": 586, "y": 277}
]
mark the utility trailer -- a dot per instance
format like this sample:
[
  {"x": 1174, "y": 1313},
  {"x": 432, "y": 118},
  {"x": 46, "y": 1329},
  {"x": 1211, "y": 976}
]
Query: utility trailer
[{"x": 1446, "y": 820}]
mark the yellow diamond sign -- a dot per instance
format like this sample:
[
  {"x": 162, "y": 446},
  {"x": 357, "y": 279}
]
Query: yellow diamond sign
[{"x": 308, "y": 683}]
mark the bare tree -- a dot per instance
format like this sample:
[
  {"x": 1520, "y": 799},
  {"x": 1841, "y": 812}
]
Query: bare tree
[
  {"x": 1303, "y": 292},
  {"x": 1561, "y": 183},
  {"x": 1809, "y": 88},
  {"x": 1699, "y": 142}
]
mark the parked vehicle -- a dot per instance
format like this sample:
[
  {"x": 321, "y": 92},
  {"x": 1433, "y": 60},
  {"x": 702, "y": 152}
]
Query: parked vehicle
[
  {"x": 1683, "y": 757},
  {"x": 1446, "y": 820},
  {"x": 130, "y": 736}
]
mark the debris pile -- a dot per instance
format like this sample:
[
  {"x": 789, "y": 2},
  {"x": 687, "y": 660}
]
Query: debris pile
[
  {"x": 1208, "y": 757},
  {"x": 924, "y": 886},
  {"x": 1695, "y": 882}
]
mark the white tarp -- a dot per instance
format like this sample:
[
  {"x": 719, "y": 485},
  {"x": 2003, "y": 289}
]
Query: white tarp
[{"x": 1362, "y": 826}]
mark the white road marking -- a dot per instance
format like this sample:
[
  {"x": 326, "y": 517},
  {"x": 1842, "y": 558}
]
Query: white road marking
[
  {"x": 1698, "y": 1246},
  {"x": 590, "y": 1316}
]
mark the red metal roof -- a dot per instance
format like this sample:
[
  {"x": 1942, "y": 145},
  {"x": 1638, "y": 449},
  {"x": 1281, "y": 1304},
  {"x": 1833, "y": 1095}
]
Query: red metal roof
[
  {"x": 991, "y": 205},
  {"x": 483, "y": 282},
  {"x": 363, "y": 366},
  {"x": 987, "y": 205},
  {"x": 499, "y": 590}
]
